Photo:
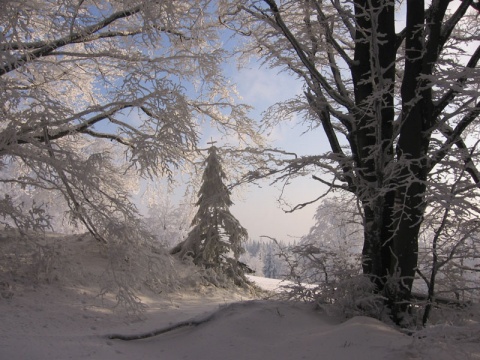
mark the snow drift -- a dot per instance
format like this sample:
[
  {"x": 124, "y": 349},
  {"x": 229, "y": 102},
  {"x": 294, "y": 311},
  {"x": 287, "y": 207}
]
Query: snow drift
[{"x": 65, "y": 316}]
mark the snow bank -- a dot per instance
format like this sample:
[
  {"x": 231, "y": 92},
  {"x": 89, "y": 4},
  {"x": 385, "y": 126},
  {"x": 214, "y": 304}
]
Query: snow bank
[
  {"x": 273, "y": 330},
  {"x": 62, "y": 317}
]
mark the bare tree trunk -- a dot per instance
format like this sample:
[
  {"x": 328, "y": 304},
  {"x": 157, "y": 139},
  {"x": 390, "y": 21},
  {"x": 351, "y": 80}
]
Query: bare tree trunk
[
  {"x": 388, "y": 128},
  {"x": 373, "y": 138},
  {"x": 393, "y": 207}
]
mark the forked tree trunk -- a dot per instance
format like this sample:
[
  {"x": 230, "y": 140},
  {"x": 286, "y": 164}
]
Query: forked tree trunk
[
  {"x": 389, "y": 162},
  {"x": 393, "y": 206},
  {"x": 372, "y": 138}
]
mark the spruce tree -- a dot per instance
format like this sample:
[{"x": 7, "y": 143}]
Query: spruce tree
[{"x": 216, "y": 238}]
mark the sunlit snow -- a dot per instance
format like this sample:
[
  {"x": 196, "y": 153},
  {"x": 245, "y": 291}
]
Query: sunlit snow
[{"x": 65, "y": 319}]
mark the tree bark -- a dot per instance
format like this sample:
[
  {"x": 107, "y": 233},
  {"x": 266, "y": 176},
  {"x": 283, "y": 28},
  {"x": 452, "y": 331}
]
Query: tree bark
[
  {"x": 388, "y": 128},
  {"x": 375, "y": 59}
]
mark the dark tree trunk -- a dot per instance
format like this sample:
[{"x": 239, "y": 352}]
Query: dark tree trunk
[
  {"x": 389, "y": 184},
  {"x": 374, "y": 130},
  {"x": 393, "y": 206},
  {"x": 413, "y": 143}
]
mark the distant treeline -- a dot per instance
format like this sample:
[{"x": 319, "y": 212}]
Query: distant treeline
[{"x": 264, "y": 259}]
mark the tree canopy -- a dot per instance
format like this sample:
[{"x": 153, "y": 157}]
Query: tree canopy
[
  {"x": 394, "y": 86},
  {"x": 95, "y": 93}
]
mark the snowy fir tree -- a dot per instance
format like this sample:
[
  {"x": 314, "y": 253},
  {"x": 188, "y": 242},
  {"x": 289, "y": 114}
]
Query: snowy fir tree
[{"x": 216, "y": 238}]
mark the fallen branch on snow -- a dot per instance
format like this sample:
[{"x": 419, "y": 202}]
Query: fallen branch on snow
[{"x": 187, "y": 323}]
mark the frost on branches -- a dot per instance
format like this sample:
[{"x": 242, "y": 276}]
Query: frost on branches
[
  {"x": 93, "y": 94},
  {"x": 95, "y": 97},
  {"x": 216, "y": 238},
  {"x": 394, "y": 87}
]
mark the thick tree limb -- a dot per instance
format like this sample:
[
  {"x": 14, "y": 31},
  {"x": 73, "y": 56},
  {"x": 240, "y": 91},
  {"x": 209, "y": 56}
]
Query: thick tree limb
[
  {"x": 49, "y": 47},
  {"x": 23, "y": 137},
  {"x": 93, "y": 37},
  {"x": 473, "y": 4},
  {"x": 453, "y": 20},
  {"x": 304, "y": 59}
]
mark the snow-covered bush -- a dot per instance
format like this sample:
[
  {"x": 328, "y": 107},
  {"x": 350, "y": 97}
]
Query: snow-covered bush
[
  {"x": 118, "y": 273},
  {"x": 326, "y": 279},
  {"x": 325, "y": 267}
]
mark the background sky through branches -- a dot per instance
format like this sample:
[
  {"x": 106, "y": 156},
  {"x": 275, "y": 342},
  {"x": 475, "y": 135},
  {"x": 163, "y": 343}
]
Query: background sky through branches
[{"x": 257, "y": 208}]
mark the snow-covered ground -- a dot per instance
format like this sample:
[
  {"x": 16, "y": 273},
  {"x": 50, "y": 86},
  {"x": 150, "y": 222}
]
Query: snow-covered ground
[{"x": 66, "y": 320}]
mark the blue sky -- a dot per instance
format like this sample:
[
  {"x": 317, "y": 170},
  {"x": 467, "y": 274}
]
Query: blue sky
[{"x": 257, "y": 207}]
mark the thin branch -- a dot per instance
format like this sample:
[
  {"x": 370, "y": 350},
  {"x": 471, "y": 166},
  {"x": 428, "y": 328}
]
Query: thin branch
[
  {"x": 344, "y": 15},
  {"x": 424, "y": 278},
  {"x": 345, "y": 101},
  {"x": 302, "y": 205},
  {"x": 77, "y": 208},
  {"x": 454, "y": 137},
  {"x": 465, "y": 268},
  {"x": 330, "y": 39},
  {"x": 113, "y": 137},
  {"x": 447, "y": 98}
]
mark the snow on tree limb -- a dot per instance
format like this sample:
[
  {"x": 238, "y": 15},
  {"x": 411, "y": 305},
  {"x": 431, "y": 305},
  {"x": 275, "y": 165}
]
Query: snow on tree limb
[
  {"x": 110, "y": 81},
  {"x": 399, "y": 108},
  {"x": 216, "y": 234}
]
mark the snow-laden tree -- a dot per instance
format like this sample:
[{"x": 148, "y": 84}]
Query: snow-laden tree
[
  {"x": 95, "y": 93},
  {"x": 216, "y": 235},
  {"x": 335, "y": 241},
  {"x": 169, "y": 221},
  {"x": 394, "y": 87},
  {"x": 265, "y": 258}
]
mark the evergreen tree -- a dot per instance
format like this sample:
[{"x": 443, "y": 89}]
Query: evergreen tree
[
  {"x": 269, "y": 267},
  {"x": 216, "y": 234}
]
